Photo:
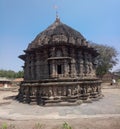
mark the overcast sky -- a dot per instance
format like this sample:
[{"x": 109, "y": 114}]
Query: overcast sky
[{"x": 22, "y": 20}]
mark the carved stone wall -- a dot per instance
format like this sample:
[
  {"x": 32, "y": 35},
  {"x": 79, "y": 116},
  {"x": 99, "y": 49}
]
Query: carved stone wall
[
  {"x": 69, "y": 92},
  {"x": 59, "y": 67},
  {"x": 72, "y": 63}
]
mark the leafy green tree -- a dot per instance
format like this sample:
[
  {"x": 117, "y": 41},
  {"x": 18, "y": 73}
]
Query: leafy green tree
[
  {"x": 19, "y": 74},
  {"x": 11, "y": 74},
  {"x": 117, "y": 72},
  {"x": 107, "y": 58}
]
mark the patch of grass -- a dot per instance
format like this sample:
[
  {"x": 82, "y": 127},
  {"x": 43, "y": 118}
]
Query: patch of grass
[
  {"x": 4, "y": 126},
  {"x": 66, "y": 126},
  {"x": 38, "y": 126}
]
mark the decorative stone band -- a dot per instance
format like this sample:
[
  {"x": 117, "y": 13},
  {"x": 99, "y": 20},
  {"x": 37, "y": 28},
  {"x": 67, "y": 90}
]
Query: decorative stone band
[
  {"x": 58, "y": 58},
  {"x": 59, "y": 92}
]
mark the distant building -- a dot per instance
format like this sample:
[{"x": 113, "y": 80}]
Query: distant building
[
  {"x": 17, "y": 81},
  {"x": 4, "y": 82},
  {"x": 109, "y": 76}
]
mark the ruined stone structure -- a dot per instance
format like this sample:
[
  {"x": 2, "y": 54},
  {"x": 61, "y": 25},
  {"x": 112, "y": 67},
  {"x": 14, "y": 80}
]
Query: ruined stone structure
[{"x": 59, "y": 68}]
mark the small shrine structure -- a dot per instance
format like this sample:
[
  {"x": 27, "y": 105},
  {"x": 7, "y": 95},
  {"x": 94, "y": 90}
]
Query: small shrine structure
[{"x": 59, "y": 68}]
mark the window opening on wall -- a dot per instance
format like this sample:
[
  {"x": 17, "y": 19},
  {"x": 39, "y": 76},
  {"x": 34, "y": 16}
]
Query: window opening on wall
[{"x": 59, "y": 69}]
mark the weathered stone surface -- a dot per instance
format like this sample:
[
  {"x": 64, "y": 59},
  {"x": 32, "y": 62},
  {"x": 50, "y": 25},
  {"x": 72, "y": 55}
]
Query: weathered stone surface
[{"x": 59, "y": 67}]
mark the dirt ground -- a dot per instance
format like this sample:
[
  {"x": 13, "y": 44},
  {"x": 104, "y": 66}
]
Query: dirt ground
[
  {"x": 103, "y": 114},
  {"x": 81, "y": 123}
]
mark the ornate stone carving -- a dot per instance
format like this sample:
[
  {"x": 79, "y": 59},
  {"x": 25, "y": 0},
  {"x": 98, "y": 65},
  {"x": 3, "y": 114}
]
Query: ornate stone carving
[{"x": 59, "y": 67}]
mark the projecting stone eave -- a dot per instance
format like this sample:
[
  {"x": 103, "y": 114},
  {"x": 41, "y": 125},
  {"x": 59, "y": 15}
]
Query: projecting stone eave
[
  {"x": 86, "y": 47},
  {"x": 23, "y": 57}
]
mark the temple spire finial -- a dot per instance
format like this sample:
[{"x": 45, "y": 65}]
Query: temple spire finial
[{"x": 57, "y": 16}]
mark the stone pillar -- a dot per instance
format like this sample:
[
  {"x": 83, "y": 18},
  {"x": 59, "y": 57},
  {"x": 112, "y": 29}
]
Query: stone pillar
[
  {"x": 53, "y": 69},
  {"x": 80, "y": 56},
  {"x": 41, "y": 71},
  {"x": 56, "y": 72},
  {"x": 46, "y": 70},
  {"x": 29, "y": 68},
  {"x": 26, "y": 70},
  {"x": 37, "y": 66},
  {"x": 86, "y": 64},
  {"x": 37, "y": 70},
  {"x": 73, "y": 68},
  {"x": 73, "y": 64},
  {"x": 32, "y": 70},
  {"x": 93, "y": 62},
  {"x": 32, "y": 67},
  {"x": 90, "y": 65},
  {"x": 66, "y": 68}
]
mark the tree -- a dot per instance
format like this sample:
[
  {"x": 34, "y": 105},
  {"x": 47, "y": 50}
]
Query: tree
[
  {"x": 107, "y": 58},
  {"x": 19, "y": 74},
  {"x": 117, "y": 72},
  {"x": 11, "y": 74}
]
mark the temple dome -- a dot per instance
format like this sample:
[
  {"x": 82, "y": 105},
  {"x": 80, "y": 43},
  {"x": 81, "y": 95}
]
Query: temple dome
[{"x": 58, "y": 32}]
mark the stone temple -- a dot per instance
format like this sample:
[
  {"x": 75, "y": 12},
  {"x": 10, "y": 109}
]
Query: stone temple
[{"x": 59, "y": 68}]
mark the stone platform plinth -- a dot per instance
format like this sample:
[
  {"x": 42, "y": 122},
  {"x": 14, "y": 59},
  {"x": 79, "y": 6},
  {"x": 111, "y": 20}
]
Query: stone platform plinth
[{"x": 59, "y": 91}]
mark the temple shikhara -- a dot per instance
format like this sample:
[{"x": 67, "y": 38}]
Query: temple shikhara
[{"x": 59, "y": 68}]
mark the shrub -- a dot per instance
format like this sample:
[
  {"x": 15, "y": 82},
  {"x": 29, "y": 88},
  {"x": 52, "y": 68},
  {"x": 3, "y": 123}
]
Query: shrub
[
  {"x": 66, "y": 126},
  {"x": 4, "y": 126}
]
